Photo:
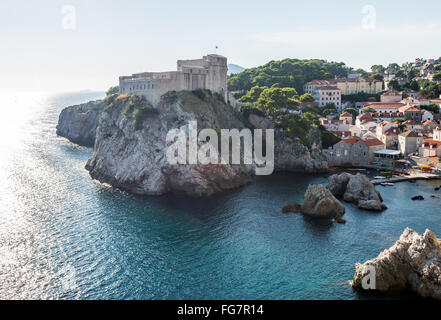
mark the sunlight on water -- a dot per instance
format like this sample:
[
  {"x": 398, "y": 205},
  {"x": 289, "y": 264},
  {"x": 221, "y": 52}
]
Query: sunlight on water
[{"x": 65, "y": 236}]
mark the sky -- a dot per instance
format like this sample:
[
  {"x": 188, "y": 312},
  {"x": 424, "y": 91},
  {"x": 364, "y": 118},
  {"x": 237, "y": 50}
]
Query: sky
[{"x": 71, "y": 45}]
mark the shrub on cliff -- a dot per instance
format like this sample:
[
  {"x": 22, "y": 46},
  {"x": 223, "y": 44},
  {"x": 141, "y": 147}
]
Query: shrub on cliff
[
  {"x": 112, "y": 90},
  {"x": 141, "y": 114}
]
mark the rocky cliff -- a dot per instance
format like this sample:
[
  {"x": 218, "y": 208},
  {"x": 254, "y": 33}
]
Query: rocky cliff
[
  {"x": 414, "y": 262},
  {"x": 130, "y": 145},
  {"x": 78, "y": 123}
]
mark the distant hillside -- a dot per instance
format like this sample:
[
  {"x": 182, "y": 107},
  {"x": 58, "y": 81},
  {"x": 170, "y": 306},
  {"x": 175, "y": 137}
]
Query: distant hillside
[
  {"x": 234, "y": 69},
  {"x": 288, "y": 73}
]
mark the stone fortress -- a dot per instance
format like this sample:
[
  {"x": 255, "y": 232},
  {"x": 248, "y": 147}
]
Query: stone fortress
[{"x": 210, "y": 73}]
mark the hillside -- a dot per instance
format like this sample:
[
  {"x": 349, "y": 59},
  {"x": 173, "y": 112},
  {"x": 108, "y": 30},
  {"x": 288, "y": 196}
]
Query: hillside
[{"x": 290, "y": 73}]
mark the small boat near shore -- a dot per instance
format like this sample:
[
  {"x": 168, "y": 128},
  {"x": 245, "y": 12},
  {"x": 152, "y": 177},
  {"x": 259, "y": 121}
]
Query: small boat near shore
[{"x": 387, "y": 184}]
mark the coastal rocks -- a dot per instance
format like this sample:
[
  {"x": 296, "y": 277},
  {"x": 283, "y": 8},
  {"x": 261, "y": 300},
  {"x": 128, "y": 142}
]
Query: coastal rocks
[
  {"x": 78, "y": 123},
  {"x": 293, "y": 156},
  {"x": 320, "y": 203},
  {"x": 338, "y": 183},
  {"x": 356, "y": 189},
  {"x": 290, "y": 155},
  {"x": 413, "y": 262},
  {"x": 371, "y": 205},
  {"x": 417, "y": 198},
  {"x": 360, "y": 188},
  {"x": 130, "y": 149},
  {"x": 291, "y": 208}
]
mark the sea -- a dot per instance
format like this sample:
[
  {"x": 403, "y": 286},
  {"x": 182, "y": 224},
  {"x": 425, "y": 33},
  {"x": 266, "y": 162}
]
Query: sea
[{"x": 66, "y": 236}]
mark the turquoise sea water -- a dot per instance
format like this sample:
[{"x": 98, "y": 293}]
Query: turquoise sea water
[{"x": 65, "y": 236}]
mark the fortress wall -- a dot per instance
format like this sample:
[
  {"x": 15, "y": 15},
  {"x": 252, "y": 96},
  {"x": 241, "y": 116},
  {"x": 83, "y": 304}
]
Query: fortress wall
[{"x": 210, "y": 72}]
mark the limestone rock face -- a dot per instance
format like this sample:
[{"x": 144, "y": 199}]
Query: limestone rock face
[
  {"x": 320, "y": 203},
  {"x": 356, "y": 189},
  {"x": 413, "y": 262},
  {"x": 372, "y": 205},
  {"x": 295, "y": 157},
  {"x": 289, "y": 154},
  {"x": 132, "y": 156},
  {"x": 338, "y": 183},
  {"x": 360, "y": 188},
  {"x": 78, "y": 123}
]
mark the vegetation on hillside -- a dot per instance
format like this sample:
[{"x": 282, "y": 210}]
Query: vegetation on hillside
[
  {"x": 112, "y": 90},
  {"x": 288, "y": 73},
  {"x": 281, "y": 106}
]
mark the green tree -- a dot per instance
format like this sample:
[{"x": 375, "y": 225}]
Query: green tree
[
  {"x": 378, "y": 68},
  {"x": 287, "y": 73},
  {"x": 272, "y": 101},
  {"x": 352, "y": 111},
  {"x": 394, "y": 85},
  {"x": 253, "y": 95},
  {"x": 437, "y": 76},
  {"x": 393, "y": 66},
  {"x": 377, "y": 76},
  {"x": 431, "y": 107},
  {"x": 369, "y": 110},
  {"x": 306, "y": 98},
  {"x": 112, "y": 90}
]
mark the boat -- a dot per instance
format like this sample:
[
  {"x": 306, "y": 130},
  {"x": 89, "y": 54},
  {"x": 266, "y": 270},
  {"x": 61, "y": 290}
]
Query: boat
[
  {"x": 387, "y": 184},
  {"x": 379, "y": 177}
]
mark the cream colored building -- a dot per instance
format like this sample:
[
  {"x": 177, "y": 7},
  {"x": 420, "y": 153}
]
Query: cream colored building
[
  {"x": 359, "y": 85},
  {"x": 409, "y": 142},
  {"x": 210, "y": 73}
]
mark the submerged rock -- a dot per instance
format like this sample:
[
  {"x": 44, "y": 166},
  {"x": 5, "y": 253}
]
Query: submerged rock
[
  {"x": 413, "y": 262},
  {"x": 320, "y": 203},
  {"x": 291, "y": 208},
  {"x": 372, "y": 205},
  {"x": 78, "y": 123}
]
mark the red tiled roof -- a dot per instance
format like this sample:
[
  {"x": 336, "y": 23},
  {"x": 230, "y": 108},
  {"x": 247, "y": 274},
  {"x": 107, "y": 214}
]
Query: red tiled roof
[
  {"x": 352, "y": 140},
  {"x": 371, "y": 142},
  {"x": 318, "y": 82},
  {"x": 328, "y": 88},
  {"x": 383, "y": 105},
  {"x": 365, "y": 116}
]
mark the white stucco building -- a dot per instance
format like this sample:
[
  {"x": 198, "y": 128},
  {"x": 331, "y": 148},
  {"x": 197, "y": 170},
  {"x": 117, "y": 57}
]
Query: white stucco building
[
  {"x": 329, "y": 94},
  {"x": 210, "y": 73}
]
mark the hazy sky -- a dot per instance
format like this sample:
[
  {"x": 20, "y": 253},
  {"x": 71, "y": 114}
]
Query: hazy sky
[{"x": 44, "y": 46}]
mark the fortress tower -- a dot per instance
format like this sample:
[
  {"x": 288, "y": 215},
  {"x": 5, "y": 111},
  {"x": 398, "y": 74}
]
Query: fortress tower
[{"x": 210, "y": 73}]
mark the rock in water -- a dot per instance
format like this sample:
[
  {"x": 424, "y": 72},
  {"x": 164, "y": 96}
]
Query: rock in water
[
  {"x": 291, "y": 208},
  {"x": 413, "y": 262},
  {"x": 371, "y": 205},
  {"x": 363, "y": 193},
  {"x": 78, "y": 123},
  {"x": 356, "y": 189},
  {"x": 320, "y": 203},
  {"x": 360, "y": 188},
  {"x": 130, "y": 149},
  {"x": 338, "y": 183},
  {"x": 418, "y": 198}
]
